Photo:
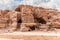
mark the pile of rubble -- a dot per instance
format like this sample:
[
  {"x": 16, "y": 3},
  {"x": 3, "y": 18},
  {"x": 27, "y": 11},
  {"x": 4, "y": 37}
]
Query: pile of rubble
[{"x": 29, "y": 18}]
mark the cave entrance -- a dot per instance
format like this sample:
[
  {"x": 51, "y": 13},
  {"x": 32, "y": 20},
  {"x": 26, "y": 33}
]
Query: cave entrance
[
  {"x": 19, "y": 21},
  {"x": 40, "y": 20}
]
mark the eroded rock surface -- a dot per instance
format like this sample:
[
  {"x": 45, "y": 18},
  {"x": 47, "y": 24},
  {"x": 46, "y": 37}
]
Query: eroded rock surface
[{"x": 29, "y": 18}]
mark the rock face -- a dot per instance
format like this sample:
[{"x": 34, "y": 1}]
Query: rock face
[
  {"x": 29, "y": 18},
  {"x": 3, "y": 18}
]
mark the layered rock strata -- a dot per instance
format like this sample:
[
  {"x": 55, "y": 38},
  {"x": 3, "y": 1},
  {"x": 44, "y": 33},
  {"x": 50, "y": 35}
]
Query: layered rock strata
[{"x": 29, "y": 18}]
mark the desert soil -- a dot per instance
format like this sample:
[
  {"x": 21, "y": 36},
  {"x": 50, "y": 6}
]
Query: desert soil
[{"x": 30, "y": 36}]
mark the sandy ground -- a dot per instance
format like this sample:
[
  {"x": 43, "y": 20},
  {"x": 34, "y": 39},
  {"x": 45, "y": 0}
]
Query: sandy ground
[
  {"x": 30, "y": 36},
  {"x": 21, "y": 37}
]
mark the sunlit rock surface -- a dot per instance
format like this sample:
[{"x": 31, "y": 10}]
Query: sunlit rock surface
[{"x": 29, "y": 18}]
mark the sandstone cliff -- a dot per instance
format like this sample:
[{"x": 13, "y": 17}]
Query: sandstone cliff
[{"x": 29, "y": 18}]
